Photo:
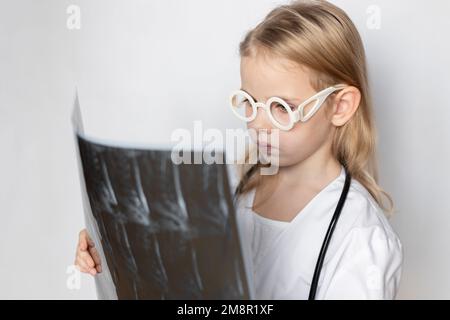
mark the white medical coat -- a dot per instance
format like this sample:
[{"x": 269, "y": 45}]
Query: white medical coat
[{"x": 363, "y": 260}]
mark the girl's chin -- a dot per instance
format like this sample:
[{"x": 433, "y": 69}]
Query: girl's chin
[{"x": 272, "y": 154}]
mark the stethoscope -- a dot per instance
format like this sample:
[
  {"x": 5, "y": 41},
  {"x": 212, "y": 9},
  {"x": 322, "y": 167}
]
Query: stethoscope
[{"x": 326, "y": 240}]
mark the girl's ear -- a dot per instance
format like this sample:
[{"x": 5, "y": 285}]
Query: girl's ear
[{"x": 346, "y": 102}]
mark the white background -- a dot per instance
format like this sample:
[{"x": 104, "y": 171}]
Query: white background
[{"x": 144, "y": 68}]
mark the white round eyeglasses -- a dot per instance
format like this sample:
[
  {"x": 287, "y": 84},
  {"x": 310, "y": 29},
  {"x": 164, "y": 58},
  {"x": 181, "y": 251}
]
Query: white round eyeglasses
[{"x": 280, "y": 113}]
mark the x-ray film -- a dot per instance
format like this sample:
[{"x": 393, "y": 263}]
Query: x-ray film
[{"x": 163, "y": 230}]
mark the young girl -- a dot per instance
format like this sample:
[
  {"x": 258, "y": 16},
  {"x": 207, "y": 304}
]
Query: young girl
[{"x": 301, "y": 50}]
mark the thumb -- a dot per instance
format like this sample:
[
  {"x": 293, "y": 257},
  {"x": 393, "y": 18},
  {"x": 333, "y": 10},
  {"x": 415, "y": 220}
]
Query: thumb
[
  {"x": 82, "y": 242},
  {"x": 89, "y": 241}
]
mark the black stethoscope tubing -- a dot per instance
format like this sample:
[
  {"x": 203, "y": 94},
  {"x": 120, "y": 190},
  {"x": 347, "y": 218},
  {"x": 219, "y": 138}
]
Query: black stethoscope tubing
[{"x": 326, "y": 241}]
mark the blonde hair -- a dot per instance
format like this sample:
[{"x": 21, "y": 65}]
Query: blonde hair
[{"x": 321, "y": 36}]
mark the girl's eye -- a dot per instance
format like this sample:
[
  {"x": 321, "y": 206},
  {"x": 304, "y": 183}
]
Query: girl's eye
[
  {"x": 282, "y": 108},
  {"x": 244, "y": 103}
]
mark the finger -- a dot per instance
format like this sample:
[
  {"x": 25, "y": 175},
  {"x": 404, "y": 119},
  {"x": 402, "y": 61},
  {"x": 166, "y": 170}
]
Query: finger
[
  {"x": 90, "y": 242},
  {"x": 87, "y": 264},
  {"x": 96, "y": 257},
  {"x": 80, "y": 268},
  {"x": 81, "y": 264},
  {"x": 88, "y": 239},
  {"x": 82, "y": 242},
  {"x": 86, "y": 257}
]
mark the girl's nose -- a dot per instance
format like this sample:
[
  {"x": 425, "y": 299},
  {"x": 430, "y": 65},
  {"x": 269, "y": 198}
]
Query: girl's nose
[{"x": 262, "y": 120}]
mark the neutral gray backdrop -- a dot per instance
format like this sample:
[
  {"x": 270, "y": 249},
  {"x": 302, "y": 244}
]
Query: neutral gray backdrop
[{"x": 144, "y": 68}]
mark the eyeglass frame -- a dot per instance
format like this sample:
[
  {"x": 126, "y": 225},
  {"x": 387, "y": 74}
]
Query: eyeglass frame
[{"x": 294, "y": 115}]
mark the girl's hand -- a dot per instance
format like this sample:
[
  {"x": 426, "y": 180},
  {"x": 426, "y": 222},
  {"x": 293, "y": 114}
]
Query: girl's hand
[{"x": 87, "y": 258}]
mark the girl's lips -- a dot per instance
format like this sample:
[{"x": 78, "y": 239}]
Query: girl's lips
[{"x": 265, "y": 145}]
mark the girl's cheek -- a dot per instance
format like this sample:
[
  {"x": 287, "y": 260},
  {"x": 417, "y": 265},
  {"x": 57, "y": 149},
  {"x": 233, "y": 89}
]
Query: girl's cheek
[{"x": 289, "y": 141}]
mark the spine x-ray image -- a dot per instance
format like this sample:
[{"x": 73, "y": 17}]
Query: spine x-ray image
[{"x": 163, "y": 230}]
